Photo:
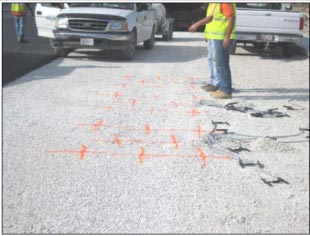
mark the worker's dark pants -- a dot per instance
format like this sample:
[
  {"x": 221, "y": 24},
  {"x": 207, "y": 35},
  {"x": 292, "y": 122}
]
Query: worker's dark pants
[
  {"x": 20, "y": 26},
  {"x": 221, "y": 59}
]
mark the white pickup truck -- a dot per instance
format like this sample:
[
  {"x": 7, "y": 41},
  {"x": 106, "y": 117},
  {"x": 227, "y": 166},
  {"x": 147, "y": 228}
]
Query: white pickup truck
[
  {"x": 111, "y": 26},
  {"x": 267, "y": 25}
]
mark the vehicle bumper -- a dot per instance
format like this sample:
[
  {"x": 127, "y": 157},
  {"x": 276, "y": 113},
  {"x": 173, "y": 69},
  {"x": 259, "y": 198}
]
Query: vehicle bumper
[
  {"x": 106, "y": 41},
  {"x": 268, "y": 37}
]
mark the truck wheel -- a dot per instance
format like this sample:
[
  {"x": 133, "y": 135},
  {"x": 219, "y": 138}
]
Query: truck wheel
[
  {"x": 166, "y": 37},
  {"x": 149, "y": 44},
  {"x": 62, "y": 52},
  {"x": 288, "y": 50},
  {"x": 232, "y": 49},
  {"x": 130, "y": 51}
]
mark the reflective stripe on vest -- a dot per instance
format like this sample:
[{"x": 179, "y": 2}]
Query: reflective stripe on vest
[
  {"x": 217, "y": 30},
  {"x": 18, "y": 7},
  {"x": 210, "y": 11}
]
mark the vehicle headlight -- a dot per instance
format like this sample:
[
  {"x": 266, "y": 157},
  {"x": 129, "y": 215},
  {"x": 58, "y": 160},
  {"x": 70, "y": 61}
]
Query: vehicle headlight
[
  {"x": 61, "y": 23},
  {"x": 118, "y": 26}
]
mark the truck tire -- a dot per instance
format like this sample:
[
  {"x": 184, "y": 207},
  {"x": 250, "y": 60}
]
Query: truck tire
[
  {"x": 149, "y": 44},
  {"x": 288, "y": 50},
  {"x": 169, "y": 35},
  {"x": 130, "y": 52},
  {"x": 62, "y": 52},
  {"x": 232, "y": 49}
]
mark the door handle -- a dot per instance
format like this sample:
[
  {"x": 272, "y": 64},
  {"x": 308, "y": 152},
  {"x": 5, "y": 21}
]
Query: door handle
[{"x": 39, "y": 12}]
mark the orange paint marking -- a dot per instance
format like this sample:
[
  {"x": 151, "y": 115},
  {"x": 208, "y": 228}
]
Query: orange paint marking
[
  {"x": 83, "y": 151},
  {"x": 109, "y": 108},
  {"x": 151, "y": 111},
  {"x": 141, "y": 156},
  {"x": 117, "y": 94},
  {"x": 117, "y": 140},
  {"x": 199, "y": 131},
  {"x": 195, "y": 112},
  {"x": 175, "y": 141},
  {"x": 128, "y": 76},
  {"x": 134, "y": 101},
  {"x": 193, "y": 87},
  {"x": 175, "y": 104},
  {"x": 97, "y": 125},
  {"x": 147, "y": 129},
  {"x": 202, "y": 156},
  {"x": 142, "y": 81}
]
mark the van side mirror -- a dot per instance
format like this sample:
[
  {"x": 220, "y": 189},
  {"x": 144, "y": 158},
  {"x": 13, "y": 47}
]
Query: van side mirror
[{"x": 288, "y": 7}]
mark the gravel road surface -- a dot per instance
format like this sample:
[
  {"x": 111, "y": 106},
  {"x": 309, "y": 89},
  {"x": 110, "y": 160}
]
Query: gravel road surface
[{"x": 93, "y": 144}]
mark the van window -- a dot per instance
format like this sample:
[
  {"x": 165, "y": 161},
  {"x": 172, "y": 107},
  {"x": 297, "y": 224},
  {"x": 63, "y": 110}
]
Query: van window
[{"x": 260, "y": 5}]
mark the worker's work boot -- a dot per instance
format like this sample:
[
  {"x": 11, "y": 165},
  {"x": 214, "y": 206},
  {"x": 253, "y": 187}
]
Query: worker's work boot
[
  {"x": 209, "y": 88},
  {"x": 221, "y": 95}
]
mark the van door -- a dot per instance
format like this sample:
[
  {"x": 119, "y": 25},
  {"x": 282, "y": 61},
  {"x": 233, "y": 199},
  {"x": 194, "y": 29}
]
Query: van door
[{"x": 45, "y": 17}]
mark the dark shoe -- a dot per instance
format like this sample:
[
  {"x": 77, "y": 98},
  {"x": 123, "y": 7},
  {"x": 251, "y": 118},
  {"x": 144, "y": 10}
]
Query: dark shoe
[
  {"x": 209, "y": 88},
  {"x": 221, "y": 95}
]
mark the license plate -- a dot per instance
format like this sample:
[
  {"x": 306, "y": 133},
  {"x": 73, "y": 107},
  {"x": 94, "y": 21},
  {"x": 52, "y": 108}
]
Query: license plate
[
  {"x": 266, "y": 37},
  {"x": 87, "y": 41}
]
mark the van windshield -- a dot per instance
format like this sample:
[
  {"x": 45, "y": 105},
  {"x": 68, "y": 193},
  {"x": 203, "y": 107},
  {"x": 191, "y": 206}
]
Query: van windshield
[{"x": 126, "y": 6}]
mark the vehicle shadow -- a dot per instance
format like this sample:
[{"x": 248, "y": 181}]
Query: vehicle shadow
[
  {"x": 160, "y": 54},
  {"x": 53, "y": 70},
  {"x": 296, "y": 94}
]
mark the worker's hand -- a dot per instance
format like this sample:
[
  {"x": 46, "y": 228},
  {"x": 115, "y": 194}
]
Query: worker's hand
[
  {"x": 193, "y": 28},
  {"x": 226, "y": 42}
]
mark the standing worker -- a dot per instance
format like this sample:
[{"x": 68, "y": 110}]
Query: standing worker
[
  {"x": 222, "y": 31},
  {"x": 19, "y": 11},
  {"x": 213, "y": 85}
]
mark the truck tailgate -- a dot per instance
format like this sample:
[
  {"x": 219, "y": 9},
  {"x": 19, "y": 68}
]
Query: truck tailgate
[{"x": 262, "y": 21}]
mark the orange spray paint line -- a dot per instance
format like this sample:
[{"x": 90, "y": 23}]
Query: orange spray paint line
[
  {"x": 194, "y": 112},
  {"x": 134, "y": 101},
  {"x": 175, "y": 141},
  {"x": 199, "y": 131},
  {"x": 202, "y": 156},
  {"x": 117, "y": 94},
  {"x": 117, "y": 140},
  {"x": 147, "y": 129},
  {"x": 141, "y": 156},
  {"x": 142, "y": 81},
  {"x": 175, "y": 104},
  {"x": 83, "y": 151},
  {"x": 97, "y": 125}
]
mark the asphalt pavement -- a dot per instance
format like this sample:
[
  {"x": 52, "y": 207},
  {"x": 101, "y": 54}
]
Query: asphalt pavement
[{"x": 19, "y": 59}]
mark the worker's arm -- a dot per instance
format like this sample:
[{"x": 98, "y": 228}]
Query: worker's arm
[
  {"x": 226, "y": 41},
  {"x": 203, "y": 21},
  {"x": 229, "y": 12}
]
